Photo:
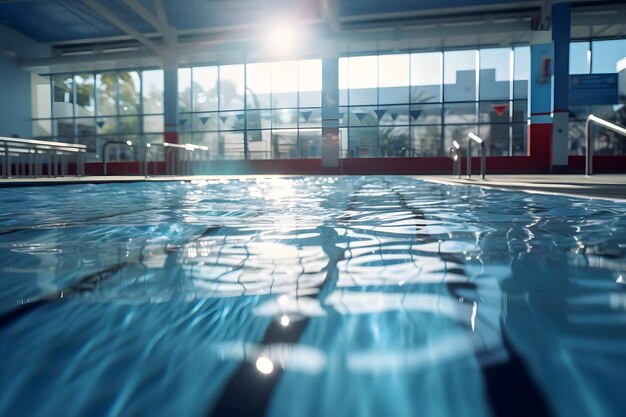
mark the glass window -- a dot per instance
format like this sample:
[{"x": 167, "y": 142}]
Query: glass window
[
  {"x": 105, "y": 94},
  {"x": 258, "y": 85},
  {"x": 494, "y": 112},
  {"x": 605, "y": 54},
  {"x": 425, "y": 114},
  {"x": 426, "y": 140},
  {"x": 521, "y": 71},
  {"x": 343, "y": 81},
  {"x": 129, "y": 124},
  {"x": 310, "y": 118},
  {"x": 363, "y": 79},
  {"x": 362, "y": 142},
  {"x": 519, "y": 132},
  {"x": 310, "y": 83},
  {"x": 129, "y": 84},
  {"x": 309, "y": 143},
  {"x": 232, "y": 87},
  {"x": 63, "y": 96},
  {"x": 40, "y": 89},
  {"x": 459, "y": 133},
  {"x": 285, "y": 84},
  {"x": 393, "y": 115},
  {"x": 153, "y": 123},
  {"x": 285, "y": 118},
  {"x": 259, "y": 144},
  {"x": 460, "y": 113},
  {"x": 363, "y": 116},
  {"x": 204, "y": 88},
  {"x": 85, "y": 99},
  {"x": 184, "y": 89},
  {"x": 393, "y": 79},
  {"x": 497, "y": 137},
  {"x": 394, "y": 141},
  {"x": 459, "y": 75},
  {"x": 579, "y": 58},
  {"x": 426, "y": 77},
  {"x": 284, "y": 143},
  {"x": 495, "y": 74},
  {"x": 230, "y": 145},
  {"x": 152, "y": 91}
]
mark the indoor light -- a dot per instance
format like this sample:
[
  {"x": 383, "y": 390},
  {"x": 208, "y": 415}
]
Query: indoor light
[{"x": 282, "y": 37}]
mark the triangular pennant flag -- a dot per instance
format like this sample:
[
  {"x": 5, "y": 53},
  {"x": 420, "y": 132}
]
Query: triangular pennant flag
[
  {"x": 204, "y": 119},
  {"x": 360, "y": 115},
  {"x": 182, "y": 122},
  {"x": 394, "y": 116},
  {"x": 415, "y": 114},
  {"x": 500, "y": 108},
  {"x": 380, "y": 113},
  {"x": 224, "y": 118},
  {"x": 240, "y": 116},
  {"x": 100, "y": 124},
  {"x": 306, "y": 115}
]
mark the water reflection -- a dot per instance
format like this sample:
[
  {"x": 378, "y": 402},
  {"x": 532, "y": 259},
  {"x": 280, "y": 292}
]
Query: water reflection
[{"x": 347, "y": 292}]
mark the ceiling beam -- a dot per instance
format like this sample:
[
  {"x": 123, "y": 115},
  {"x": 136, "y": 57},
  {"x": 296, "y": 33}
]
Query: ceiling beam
[
  {"x": 160, "y": 9},
  {"x": 330, "y": 10},
  {"x": 102, "y": 11},
  {"x": 167, "y": 32}
]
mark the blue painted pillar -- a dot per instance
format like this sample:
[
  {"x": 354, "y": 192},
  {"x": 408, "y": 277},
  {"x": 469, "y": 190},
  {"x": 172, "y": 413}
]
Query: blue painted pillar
[
  {"x": 540, "y": 100},
  {"x": 330, "y": 112},
  {"x": 170, "y": 101},
  {"x": 561, "y": 22}
]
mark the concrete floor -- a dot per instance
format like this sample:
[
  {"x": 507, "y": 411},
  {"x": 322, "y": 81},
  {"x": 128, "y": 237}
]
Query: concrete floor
[{"x": 611, "y": 186}]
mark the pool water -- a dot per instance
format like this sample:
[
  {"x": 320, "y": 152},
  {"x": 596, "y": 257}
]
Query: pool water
[{"x": 310, "y": 296}]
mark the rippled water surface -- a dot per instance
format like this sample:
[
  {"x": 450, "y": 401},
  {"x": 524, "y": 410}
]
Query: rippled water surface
[{"x": 310, "y": 296}]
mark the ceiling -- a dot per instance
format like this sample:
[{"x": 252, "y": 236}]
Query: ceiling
[{"x": 92, "y": 34}]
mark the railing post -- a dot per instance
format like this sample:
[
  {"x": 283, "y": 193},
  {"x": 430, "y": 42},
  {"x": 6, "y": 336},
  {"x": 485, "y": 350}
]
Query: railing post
[
  {"x": 469, "y": 159},
  {"x": 482, "y": 160},
  {"x": 6, "y": 168},
  {"x": 589, "y": 145}
]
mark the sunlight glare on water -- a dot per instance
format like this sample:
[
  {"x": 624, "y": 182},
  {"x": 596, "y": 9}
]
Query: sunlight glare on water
[{"x": 343, "y": 296}]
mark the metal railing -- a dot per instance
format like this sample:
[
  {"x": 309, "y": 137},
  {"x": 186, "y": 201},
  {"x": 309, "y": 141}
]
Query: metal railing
[
  {"x": 104, "y": 151},
  {"x": 455, "y": 155},
  {"x": 589, "y": 139},
  {"x": 473, "y": 138},
  {"x": 175, "y": 163},
  {"x": 28, "y": 157}
]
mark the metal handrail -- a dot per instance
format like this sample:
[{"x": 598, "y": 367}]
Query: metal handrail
[
  {"x": 10, "y": 147},
  {"x": 589, "y": 139},
  {"x": 104, "y": 151},
  {"x": 455, "y": 155},
  {"x": 472, "y": 137},
  {"x": 167, "y": 146}
]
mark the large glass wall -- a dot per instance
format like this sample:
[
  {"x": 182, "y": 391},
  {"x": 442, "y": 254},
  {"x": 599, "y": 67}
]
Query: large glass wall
[
  {"x": 93, "y": 108},
  {"x": 416, "y": 104},
  {"x": 273, "y": 107},
  {"x": 596, "y": 57}
]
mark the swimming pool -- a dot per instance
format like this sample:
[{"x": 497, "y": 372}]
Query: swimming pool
[{"x": 310, "y": 296}]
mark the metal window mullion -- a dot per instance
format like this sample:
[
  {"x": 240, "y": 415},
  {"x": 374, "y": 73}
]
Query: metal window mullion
[
  {"x": 442, "y": 92},
  {"x": 298, "y": 109},
  {"x": 246, "y": 151}
]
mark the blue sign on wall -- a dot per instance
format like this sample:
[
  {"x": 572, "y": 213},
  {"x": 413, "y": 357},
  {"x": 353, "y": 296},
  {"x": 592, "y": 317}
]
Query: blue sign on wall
[{"x": 593, "y": 89}]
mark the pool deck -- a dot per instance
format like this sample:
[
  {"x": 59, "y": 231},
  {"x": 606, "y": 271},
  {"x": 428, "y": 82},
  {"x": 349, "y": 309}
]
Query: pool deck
[{"x": 611, "y": 186}]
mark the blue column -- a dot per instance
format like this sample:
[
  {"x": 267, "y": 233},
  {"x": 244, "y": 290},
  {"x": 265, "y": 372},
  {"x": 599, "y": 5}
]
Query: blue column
[
  {"x": 330, "y": 112},
  {"x": 561, "y": 22},
  {"x": 540, "y": 99},
  {"x": 170, "y": 102}
]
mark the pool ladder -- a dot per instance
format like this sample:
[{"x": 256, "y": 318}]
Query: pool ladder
[
  {"x": 455, "y": 155},
  {"x": 589, "y": 143}
]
